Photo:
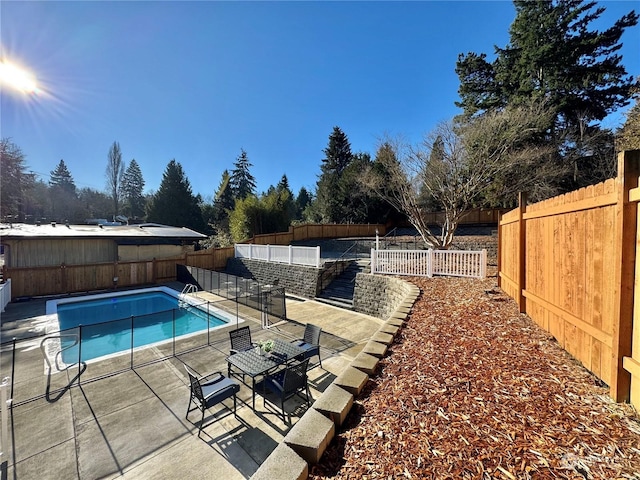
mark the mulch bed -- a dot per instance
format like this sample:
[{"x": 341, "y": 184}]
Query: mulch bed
[{"x": 473, "y": 389}]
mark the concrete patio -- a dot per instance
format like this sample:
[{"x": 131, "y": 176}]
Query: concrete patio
[{"x": 132, "y": 424}]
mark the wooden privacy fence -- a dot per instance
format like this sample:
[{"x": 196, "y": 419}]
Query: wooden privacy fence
[
  {"x": 427, "y": 263},
  {"x": 570, "y": 263},
  {"x": 319, "y": 230},
  {"x": 30, "y": 282}
]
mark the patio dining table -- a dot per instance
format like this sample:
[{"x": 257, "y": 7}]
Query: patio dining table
[{"x": 254, "y": 364}]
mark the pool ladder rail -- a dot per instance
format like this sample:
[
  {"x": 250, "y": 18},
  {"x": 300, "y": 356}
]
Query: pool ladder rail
[
  {"x": 188, "y": 289},
  {"x": 60, "y": 366},
  {"x": 59, "y": 351}
]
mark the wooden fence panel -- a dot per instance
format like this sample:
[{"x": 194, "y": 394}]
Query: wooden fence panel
[
  {"x": 576, "y": 279},
  {"x": 509, "y": 235}
]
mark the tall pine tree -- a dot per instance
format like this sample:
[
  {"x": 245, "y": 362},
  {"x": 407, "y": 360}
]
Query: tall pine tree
[
  {"x": 174, "y": 203},
  {"x": 62, "y": 194},
  {"x": 331, "y": 197},
  {"x": 552, "y": 55},
  {"x": 242, "y": 182},
  {"x": 132, "y": 190}
]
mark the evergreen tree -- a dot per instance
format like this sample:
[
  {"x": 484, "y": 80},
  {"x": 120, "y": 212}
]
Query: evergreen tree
[
  {"x": 556, "y": 59},
  {"x": 115, "y": 172},
  {"x": 174, "y": 203},
  {"x": 331, "y": 196},
  {"x": 15, "y": 182},
  {"x": 61, "y": 178},
  {"x": 62, "y": 192},
  {"x": 283, "y": 184},
  {"x": 242, "y": 182},
  {"x": 552, "y": 55},
  {"x": 303, "y": 199},
  {"x": 132, "y": 190}
]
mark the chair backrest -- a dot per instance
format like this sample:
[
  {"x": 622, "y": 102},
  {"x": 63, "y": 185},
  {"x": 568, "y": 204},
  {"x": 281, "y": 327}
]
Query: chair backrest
[
  {"x": 312, "y": 334},
  {"x": 240, "y": 339},
  {"x": 295, "y": 377},
  {"x": 196, "y": 389}
]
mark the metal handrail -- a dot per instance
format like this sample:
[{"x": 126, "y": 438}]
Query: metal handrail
[
  {"x": 332, "y": 271},
  {"x": 59, "y": 336}
]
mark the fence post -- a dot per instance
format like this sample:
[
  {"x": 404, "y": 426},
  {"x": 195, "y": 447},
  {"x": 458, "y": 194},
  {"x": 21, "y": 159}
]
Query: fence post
[
  {"x": 373, "y": 261},
  {"x": 522, "y": 252},
  {"x": 483, "y": 264},
  {"x": 430, "y": 263},
  {"x": 268, "y": 253},
  {"x": 63, "y": 278},
  {"x": 499, "y": 251},
  {"x": 318, "y": 256},
  {"x": 290, "y": 254},
  {"x": 624, "y": 268}
]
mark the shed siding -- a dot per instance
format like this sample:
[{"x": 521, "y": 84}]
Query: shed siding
[
  {"x": 52, "y": 252},
  {"x": 141, "y": 253}
]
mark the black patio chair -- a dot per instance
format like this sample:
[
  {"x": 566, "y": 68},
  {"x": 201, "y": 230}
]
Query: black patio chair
[
  {"x": 210, "y": 390},
  {"x": 310, "y": 342},
  {"x": 241, "y": 340},
  {"x": 287, "y": 383}
]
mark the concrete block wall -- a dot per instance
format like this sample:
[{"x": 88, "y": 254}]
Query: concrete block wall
[
  {"x": 296, "y": 279},
  {"x": 378, "y": 295}
]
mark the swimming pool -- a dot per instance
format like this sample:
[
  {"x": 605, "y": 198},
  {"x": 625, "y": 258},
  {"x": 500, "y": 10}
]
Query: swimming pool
[{"x": 116, "y": 323}]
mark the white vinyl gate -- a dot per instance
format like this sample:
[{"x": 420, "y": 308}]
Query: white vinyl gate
[{"x": 427, "y": 263}]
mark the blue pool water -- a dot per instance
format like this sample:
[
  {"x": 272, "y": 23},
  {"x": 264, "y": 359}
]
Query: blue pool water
[{"x": 107, "y": 323}]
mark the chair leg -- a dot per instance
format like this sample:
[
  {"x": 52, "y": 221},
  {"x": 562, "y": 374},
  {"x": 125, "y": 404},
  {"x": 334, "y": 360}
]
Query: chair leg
[
  {"x": 201, "y": 422},
  {"x": 188, "y": 408}
]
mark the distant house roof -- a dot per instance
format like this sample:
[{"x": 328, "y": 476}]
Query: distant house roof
[{"x": 141, "y": 231}]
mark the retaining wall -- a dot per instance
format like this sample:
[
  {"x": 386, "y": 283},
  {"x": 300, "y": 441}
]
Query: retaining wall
[
  {"x": 378, "y": 295},
  {"x": 296, "y": 279}
]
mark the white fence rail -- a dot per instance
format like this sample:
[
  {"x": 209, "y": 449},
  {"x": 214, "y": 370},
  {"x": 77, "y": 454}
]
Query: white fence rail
[
  {"x": 5, "y": 294},
  {"x": 427, "y": 263},
  {"x": 309, "y": 256}
]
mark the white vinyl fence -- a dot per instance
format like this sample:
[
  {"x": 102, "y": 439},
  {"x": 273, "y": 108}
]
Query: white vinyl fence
[
  {"x": 309, "y": 256},
  {"x": 5, "y": 294},
  {"x": 427, "y": 263}
]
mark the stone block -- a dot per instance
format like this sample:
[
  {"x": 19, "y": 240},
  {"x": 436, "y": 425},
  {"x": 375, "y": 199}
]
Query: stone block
[
  {"x": 394, "y": 322},
  {"x": 366, "y": 363},
  {"x": 382, "y": 337},
  {"x": 310, "y": 437},
  {"x": 352, "y": 380},
  {"x": 376, "y": 349},
  {"x": 399, "y": 315},
  {"x": 283, "y": 463},
  {"x": 334, "y": 403},
  {"x": 390, "y": 329}
]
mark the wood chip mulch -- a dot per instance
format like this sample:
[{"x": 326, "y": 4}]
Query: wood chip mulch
[{"x": 472, "y": 389}]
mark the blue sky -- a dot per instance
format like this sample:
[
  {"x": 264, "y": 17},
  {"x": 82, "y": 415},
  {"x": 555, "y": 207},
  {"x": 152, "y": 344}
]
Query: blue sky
[{"x": 198, "y": 81}]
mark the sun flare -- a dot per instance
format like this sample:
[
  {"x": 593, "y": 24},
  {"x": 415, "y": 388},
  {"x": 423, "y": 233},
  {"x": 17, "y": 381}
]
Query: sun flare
[{"x": 17, "y": 78}]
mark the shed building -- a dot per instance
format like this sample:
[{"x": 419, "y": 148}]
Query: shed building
[{"x": 26, "y": 245}]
